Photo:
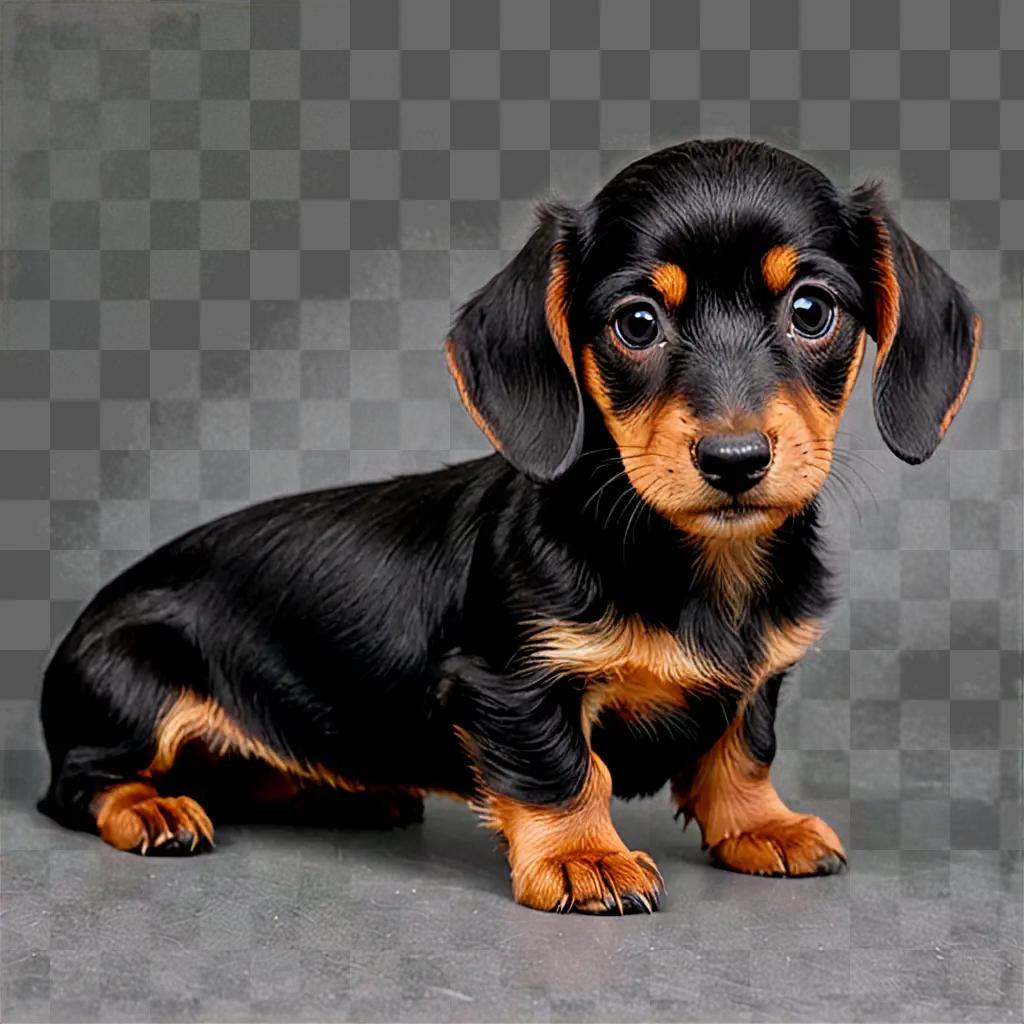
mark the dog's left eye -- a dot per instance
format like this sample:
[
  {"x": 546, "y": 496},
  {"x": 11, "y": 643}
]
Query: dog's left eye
[{"x": 637, "y": 326}]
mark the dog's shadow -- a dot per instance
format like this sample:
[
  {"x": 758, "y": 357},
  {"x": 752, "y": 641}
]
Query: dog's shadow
[
  {"x": 445, "y": 844},
  {"x": 448, "y": 845}
]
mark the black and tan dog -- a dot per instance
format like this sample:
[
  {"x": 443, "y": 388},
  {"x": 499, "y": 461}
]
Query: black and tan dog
[{"x": 607, "y": 605}]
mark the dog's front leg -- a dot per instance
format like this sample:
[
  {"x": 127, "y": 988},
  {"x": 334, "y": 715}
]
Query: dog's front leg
[
  {"x": 569, "y": 856},
  {"x": 544, "y": 790},
  {"x": 742, "y": 818}
]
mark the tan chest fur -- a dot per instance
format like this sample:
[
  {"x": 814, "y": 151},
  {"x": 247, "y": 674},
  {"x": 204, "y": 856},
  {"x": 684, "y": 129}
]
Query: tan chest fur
[{"x": 636, "y": 670}]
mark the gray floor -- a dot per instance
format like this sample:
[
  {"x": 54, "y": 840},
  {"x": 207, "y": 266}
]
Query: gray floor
[
  {"x": 234, "y": 235},
  {"x": 417, "y": 924}
]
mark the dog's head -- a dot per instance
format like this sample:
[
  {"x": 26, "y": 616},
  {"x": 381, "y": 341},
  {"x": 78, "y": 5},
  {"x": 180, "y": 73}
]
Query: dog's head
[{"x": 708, "y": 310}]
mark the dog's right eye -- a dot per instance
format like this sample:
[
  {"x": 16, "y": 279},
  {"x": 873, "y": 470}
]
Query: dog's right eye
[
  {"x": 636, "y": 326},
  {"x": 813, "y": 312}
]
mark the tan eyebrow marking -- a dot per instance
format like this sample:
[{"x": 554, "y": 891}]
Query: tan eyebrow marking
[
  {"x": 778, "y": 267},
  {"x": 670, "y": 280}
]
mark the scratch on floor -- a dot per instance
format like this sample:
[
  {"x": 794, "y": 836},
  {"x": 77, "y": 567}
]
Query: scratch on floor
[{"x": 461, "y": 996}]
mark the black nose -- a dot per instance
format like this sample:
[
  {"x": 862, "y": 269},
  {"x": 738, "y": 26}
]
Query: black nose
[{"x": 734, "y": 462}]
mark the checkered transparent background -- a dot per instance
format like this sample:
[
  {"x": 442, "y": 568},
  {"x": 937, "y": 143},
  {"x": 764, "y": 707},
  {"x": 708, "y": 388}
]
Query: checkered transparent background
[{"x": 234, "y": 236}]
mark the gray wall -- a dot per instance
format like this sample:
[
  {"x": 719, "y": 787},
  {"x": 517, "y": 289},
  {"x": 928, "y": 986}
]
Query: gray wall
[{"x": 235, "y": 235}]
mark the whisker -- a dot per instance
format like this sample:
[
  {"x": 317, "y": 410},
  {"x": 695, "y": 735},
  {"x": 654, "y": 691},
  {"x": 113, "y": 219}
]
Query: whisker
[
  {"x": 597, "y": 493},
  {"x": 824, "y": 443},
  {"x": 839, "y": 467},
  {"x": 627, "y": 494},
  {"x": 639, "y": 507}
]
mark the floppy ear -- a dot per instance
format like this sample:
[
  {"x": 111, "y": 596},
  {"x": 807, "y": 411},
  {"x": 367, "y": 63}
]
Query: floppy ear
[
  {"x": 926, "y": 331},
  {"x": 511, "y": 358}
]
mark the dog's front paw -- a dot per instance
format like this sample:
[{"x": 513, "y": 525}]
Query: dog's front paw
[
  {"x": 591, "y": 882},
  {"x": 791, "y": 847}
]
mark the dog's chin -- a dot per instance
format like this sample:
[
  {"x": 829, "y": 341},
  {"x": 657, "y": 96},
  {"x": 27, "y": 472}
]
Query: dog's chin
[{"x": 735, "y": 521}]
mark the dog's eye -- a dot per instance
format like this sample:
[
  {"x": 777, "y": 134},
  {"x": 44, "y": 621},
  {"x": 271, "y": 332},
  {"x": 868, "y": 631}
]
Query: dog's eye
[
  {"x": 813, "y": 312},
  {"x": 637, "y": 326}
]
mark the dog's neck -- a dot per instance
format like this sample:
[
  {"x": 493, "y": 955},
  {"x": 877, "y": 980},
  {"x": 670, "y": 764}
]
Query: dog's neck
[
  {"x": 667, "y": 573},
  {"x": 733, "y": 569}
]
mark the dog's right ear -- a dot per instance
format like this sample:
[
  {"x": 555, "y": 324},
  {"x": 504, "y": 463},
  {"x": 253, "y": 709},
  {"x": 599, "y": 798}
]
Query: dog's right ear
[{"x": 511, "y": 358}]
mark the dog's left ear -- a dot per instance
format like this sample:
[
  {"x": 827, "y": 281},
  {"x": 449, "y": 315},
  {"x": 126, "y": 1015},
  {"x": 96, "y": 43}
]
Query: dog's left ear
[
  {"x": 510, "y": 355},
  {"x": 926, "y": 331}
]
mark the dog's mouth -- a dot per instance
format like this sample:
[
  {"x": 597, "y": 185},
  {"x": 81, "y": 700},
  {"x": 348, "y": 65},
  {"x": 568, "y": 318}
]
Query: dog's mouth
[
  {"x": 737, "y": 518},
  {"x": 736, "y": 511},
  {"x": 738, "y": 506}
]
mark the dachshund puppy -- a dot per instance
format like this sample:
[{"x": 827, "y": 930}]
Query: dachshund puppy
[{"x": 607, "y": 605}]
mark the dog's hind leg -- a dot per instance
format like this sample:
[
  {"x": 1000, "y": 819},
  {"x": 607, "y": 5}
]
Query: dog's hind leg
[
  {"x": 144, "y": 755},
  {"x": 101, "y": 710}
]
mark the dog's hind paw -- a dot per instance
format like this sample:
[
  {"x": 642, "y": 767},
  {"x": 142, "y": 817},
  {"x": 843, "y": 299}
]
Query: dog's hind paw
[{"x": 166, "y": 826}]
